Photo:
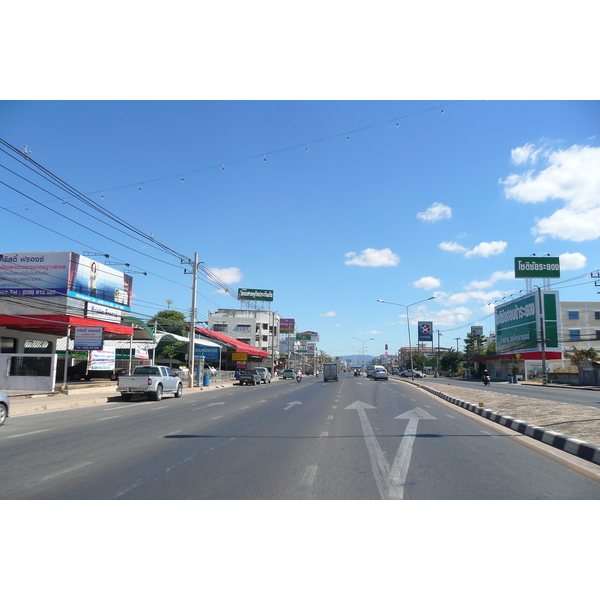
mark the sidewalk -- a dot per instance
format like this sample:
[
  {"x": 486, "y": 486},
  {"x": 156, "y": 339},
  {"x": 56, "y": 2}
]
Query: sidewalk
[
  {"x": 24, "y": 402},
  {"x": 569, "y": 427}
]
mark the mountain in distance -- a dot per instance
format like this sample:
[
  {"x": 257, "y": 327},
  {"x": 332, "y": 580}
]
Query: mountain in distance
[{"x": 358, "y": 358}]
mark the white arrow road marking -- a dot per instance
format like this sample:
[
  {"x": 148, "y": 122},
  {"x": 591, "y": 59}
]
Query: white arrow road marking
[
  {"x": 390, "y": 482},
  {"x": 402, "y": 460},
  {"x": 290, "y": 404},
  {"x": 378, "y": 463}
]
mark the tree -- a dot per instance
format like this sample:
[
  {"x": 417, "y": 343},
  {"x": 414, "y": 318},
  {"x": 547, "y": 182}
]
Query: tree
[
  {"x": 171, "y": 321},
  {"x": 474, "y": 344},
  {"x": 579, "y": 357},
  {"x": 419, "y": 361},
  {"x": 451, "y": 361}
]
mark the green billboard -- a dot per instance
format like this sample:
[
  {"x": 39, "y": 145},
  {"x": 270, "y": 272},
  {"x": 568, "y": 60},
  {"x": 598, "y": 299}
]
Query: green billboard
[
  {"x": 518, "y": 323},
  {"x": 258, "y": 295},
  {"x": 530, "y": 267}
]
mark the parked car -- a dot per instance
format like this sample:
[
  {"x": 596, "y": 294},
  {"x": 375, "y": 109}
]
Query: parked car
[
  {"x": 151, "y": 380},
  {"x": 249, "y": 376},
  {"x": 288, "y": 374},
  {"x": 4, "y": 407},
  {"x": 265, "y": 374},
  {"x": 380, "y": 373}
]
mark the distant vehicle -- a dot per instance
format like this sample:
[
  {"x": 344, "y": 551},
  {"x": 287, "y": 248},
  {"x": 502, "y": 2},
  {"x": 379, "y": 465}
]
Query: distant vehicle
[
  {"x": 152, "y": 380},
  {"x": 265, "y": 374},
  {"x": 249, "y": 376},
  {"x": 288, "y": 374},
  {"x": 370, "y": 369},
  {"x": 416, "y": 374},
  {"x": 380, "y": 373},
  {"x": 395, "y": 372},
  {"x": 80, "y": 371},
  {"x": 330, "y": 372},
  {"x": 4, "y": 407}
]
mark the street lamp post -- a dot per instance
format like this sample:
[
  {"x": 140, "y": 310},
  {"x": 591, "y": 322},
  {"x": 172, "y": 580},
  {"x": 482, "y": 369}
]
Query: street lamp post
[
  {"x": 363, "y": 343},
  {"x": 412, "y": 373}
]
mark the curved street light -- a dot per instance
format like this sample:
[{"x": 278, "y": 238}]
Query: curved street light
[
  {"x": 363, "y": 343},
  {"x": 412, "y": 373}
]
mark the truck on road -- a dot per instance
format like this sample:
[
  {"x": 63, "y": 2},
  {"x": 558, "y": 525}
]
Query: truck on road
[
  {"x": 152, "y": 380},
  {"x": 330, "y": 372},
  {"x": 249, "y": 376}
]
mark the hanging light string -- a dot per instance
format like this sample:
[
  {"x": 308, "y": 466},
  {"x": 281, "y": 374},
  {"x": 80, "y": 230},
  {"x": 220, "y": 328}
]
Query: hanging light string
[{"x": 221, "y": 165}]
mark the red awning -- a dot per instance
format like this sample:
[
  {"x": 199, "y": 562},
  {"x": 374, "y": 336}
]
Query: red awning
[
  {"x": 239, "y": 346},
  {"x": 522, "y": 356},
  {"x": 57, "y": 324}
]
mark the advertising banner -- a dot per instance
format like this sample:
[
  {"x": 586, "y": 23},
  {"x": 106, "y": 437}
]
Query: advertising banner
[
  {"x": 102, "y": 360},
  {"x": 530, "y": 267},
  {"x": 257, "y": 295},
  {"x": 476, "y": 329},
  {"x": 89, "y": 338},
  {"x": 287, "y": 325},
  {"x": 425, "y": 331},
  {"x": 518, "y": 324},
  {"x": 43, "y": 274}
]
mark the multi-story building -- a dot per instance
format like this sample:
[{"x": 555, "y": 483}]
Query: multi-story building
[
  {"x": 254, "y": 327},
  {"x": 580, "y": 325}
]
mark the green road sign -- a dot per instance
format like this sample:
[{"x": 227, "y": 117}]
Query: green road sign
[{"x": 258, "y": 295}]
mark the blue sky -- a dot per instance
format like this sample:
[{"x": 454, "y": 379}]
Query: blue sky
[{"x": 393, "y": 200}]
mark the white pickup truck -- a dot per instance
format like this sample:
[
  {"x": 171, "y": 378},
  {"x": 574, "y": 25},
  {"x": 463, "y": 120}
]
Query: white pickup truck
[{"x": 151, "y": 380}]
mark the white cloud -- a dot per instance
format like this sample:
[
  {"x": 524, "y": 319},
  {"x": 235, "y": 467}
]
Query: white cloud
[
  {"x": 368, "y": 332},
  {"x": 573, "y": 176},
  {"x": 496, "y": 276},
  {"x": 373, "y": 258},
  {"x": 331, "y": 313},
  {"x": 436, "y": 212},
  {"x": 445, "y": 317},
  {"x": 470, "y": 296},
  {"x": 227, "y": 276},
  {"x": 570, "y": 261},
  {"x": 525, "y": 153},
  {"x": 427, "y": 283},
  {"x": 452, "y": 247},
  {"x": 486, "y": 249}
]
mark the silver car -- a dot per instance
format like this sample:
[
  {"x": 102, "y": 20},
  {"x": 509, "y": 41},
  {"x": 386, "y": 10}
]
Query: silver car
[
  {"x": 380, "y": 374},
  {"x": 4, "y": 405}
]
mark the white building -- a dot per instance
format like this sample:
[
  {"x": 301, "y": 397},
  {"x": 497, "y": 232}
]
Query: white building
[
  {"x": 257, "y": 328},
  {"x": 580, "y": 325}
]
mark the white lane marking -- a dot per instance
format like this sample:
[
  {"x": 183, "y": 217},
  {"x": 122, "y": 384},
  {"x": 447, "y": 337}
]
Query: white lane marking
[
  {"x": 490, "y": 433},
  {"x": 309, "y": 475},
  {"x": 28, "y": 433},
  {"x": 113, "y": 417},
  {"x": 158, "y": 408},
  {"x": 330, "y": 417},
  {"x": 333, "y": 407},
  {"x": 290, "y": 404},
  {"x": 244, "y": 407},
  {"x": 215, "y": 418},
  {"x": 324, "y": 434},
  {"x": 73, "y": 468},
  {"x": 450, "y": 416},
  {"x": 168, "y": 434}
]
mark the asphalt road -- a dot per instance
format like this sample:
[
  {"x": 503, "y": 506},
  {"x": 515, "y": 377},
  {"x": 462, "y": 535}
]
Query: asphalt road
[{"x": 351, "y": 439}]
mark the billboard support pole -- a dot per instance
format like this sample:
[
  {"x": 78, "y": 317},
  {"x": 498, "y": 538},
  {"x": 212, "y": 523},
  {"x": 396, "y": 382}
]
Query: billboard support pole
[
  {"x": 191, "y": 343},
  {"x": 65, "y": 386},
  {"x": 543, "y": 340}
]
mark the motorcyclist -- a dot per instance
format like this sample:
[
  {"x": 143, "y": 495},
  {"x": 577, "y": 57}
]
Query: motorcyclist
[{"x": 299, "y": 374}]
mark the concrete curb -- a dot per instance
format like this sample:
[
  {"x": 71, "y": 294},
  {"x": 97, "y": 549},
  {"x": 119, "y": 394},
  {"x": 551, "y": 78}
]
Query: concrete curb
[{"x": 579, "y": 448}]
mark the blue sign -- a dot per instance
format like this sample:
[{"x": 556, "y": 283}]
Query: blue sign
[
  {"x": 209, "y": 352},
  {"x": 426, "y": 331}
]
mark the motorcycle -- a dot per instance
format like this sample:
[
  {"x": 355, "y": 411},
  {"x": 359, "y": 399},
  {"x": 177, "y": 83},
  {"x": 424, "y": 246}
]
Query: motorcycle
[
  {"x": 356, "y": 374},
  {"x": 298, "y": 378},
  {"x": 486, "y": 380}
]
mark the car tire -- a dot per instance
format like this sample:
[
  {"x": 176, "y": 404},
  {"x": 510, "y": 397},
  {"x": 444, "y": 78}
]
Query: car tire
[
  {"x": 158, "y": 394},
  {"x": 179, "y": 391},
  {"x": 3, "y": 414}
]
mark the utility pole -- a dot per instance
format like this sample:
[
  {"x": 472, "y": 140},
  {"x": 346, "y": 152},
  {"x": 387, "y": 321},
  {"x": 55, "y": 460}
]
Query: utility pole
[
  {"x": 191, "y": 343},
  {"x": 544, "y": 378},
  {"x": 457, "y": 343}
]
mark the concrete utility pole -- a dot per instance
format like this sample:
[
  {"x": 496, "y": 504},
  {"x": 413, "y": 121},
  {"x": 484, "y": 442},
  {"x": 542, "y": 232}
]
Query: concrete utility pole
[{"x": 191, "y": 343}]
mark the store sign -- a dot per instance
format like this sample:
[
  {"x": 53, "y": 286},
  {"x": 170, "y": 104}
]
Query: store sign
[
  {"x": 476, "y": 329},
  {"x": 530, "y": 267},
  {"x": 255, "y": 295},
  {"x": 287, "y": 325},
  {"x": 102, "y": 313},
  {"x": 425, "y": 331},
  {"x": 208, "y": 352},
  {"x": 241, "y": 356},
  {"x": 89, "y": 338}
]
